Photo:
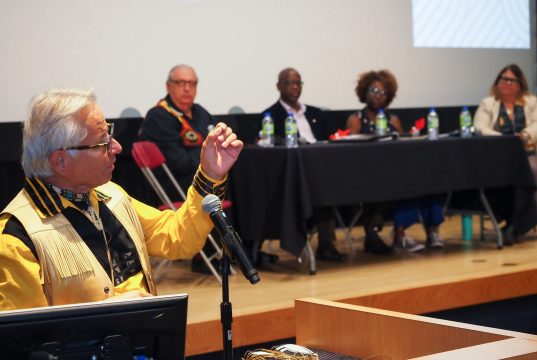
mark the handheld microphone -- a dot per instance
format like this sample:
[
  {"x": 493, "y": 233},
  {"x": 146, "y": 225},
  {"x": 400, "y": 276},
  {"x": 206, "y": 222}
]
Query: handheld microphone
[{"x": 230, "y": 239}]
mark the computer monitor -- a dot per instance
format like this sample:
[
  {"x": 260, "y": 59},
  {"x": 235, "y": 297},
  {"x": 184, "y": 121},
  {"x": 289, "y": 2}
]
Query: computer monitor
[{"x": 144, "y": 328}]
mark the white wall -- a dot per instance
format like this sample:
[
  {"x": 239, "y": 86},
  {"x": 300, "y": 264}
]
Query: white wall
[{"x": 124, "y": 49}]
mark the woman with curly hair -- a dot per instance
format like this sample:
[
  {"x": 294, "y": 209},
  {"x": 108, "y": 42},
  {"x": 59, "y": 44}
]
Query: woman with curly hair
[{"x": 377, "y": 89}]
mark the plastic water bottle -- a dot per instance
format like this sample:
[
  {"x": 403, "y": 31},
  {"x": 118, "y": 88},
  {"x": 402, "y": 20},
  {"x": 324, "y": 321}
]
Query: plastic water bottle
[
  {"x": 465, "y": 120},
  {"x": 433, "y": 122},
  {"x": 267, "y": 130},
  {"x": 381, "y": 123},
  {"x": 291, "y": 131}
]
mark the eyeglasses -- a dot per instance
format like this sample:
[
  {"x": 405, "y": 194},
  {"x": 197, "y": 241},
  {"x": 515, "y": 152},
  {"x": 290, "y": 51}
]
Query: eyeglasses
[
  {"x": 508, "y": 80},
  {"x": 377, "y": 91},
  {"x": 184, "y": 83},
  {"x": 293, "y": 82},
  {"x": 107, "y": 145}
]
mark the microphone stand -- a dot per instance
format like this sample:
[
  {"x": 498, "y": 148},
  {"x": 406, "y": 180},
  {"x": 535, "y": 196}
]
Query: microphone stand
[
  {"x": 226, "y": 317},
  {"x": 232, "y": 249}
]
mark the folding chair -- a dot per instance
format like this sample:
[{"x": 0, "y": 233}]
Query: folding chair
[
  {"x": 347, "y": 228},
  {"x": 308, "y": 252},
  {"x": 148, "y": 157}
]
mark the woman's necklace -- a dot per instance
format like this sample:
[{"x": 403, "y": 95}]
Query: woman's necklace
[{"x": 509, "y": 107}]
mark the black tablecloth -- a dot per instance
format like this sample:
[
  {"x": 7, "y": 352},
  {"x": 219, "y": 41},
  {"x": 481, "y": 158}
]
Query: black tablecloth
[{"x": 274, "y": 190}]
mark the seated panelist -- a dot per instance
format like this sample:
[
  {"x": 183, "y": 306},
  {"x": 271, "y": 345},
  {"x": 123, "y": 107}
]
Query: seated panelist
[
  {"x": 308, "y": 118},
  {"x": 510, "y": 109},
  {"x": 377, "y": 89},
  {"x": 178, "y": 126},
  {"x": 310, "y": 129}
]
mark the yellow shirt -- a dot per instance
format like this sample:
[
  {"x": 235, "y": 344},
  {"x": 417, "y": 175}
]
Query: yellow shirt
[{"x": 168, "y": 234}]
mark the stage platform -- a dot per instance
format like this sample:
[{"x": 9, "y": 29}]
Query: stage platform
[{"x": 464, "y": 273}]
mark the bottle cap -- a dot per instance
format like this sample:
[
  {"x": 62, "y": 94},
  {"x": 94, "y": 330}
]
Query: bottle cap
[{"x": 267, "y": 114}]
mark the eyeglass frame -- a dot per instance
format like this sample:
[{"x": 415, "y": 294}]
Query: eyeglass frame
[
  {"x": 108, "y": 144},
  {"x": 184, "y": 83},
  {"x": 508, "y": 80},
  {"x": 376, "y": 91}
]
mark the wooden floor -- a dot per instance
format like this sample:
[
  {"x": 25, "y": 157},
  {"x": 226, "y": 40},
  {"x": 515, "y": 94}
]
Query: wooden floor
[{"x": 464, "y": 273}]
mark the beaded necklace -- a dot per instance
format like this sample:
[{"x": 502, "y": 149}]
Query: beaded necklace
[{"x": 82, "y": 202}]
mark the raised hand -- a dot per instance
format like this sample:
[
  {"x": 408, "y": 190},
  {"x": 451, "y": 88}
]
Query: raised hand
[{"x": 219, "y": 151}]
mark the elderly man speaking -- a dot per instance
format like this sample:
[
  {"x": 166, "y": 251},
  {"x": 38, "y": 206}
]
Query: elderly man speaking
[{"x": 71, "y": 235}]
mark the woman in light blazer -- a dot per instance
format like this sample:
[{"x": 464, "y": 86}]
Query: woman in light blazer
[{"x": 510, "y": 109}]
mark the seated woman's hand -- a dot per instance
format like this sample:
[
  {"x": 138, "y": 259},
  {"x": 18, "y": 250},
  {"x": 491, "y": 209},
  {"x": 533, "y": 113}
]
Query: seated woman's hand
[{"x": 527, "y": 141}]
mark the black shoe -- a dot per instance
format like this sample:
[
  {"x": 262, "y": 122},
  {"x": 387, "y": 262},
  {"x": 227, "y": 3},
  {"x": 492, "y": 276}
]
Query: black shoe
[
  {"x": 198, "y": 265},
  {"x": 373, "y": 244},
  {"x": 328, "y": 252},
  {"x": 264, "y": 259}
]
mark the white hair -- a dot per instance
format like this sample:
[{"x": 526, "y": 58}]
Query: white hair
[
  {"x": 180, "y": 66},
  {"x": 53, "y": 123}
]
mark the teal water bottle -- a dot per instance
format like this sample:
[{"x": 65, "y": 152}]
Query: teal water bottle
[{"x": 467, "y": 228}]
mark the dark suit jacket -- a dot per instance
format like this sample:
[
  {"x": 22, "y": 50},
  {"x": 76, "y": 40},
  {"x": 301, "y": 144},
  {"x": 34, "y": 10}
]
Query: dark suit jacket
[{"x": 313, "y": 114}]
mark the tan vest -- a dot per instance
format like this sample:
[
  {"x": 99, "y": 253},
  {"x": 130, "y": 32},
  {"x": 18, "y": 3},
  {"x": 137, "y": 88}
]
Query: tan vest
[{"x": 70, "y": 273}]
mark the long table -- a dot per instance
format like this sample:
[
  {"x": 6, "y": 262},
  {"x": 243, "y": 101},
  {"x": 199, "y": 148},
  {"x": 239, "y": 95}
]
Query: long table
[{"x": 274, "y": 190}]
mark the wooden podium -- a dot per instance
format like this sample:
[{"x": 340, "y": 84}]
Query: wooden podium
[{"x": 363, "y": 332}]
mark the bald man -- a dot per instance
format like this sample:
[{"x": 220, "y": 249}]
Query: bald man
[
  {"x": 310, "y": 129},
  {"x": 308, "y": 118}
]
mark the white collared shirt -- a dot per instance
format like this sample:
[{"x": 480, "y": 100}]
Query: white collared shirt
[{"x": 302, "y": 124}]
